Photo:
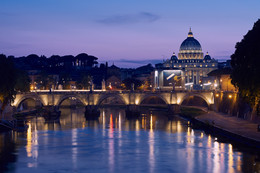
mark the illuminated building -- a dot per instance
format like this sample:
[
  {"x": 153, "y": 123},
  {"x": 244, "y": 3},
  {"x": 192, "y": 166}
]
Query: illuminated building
[
  {"x": 191, "y": 65},
  {"x": 222, "y": 78}
]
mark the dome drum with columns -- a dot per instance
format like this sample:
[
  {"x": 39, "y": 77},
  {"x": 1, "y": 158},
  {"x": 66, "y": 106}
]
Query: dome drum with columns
[{"x": 190, "y": 61}]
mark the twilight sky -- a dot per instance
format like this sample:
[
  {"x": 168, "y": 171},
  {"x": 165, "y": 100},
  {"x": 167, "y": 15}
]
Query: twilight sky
[{"x": 127, "y": 32}]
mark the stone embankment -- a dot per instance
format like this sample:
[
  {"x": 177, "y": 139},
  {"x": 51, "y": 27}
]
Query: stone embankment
[{"x": 236, "y": 129}]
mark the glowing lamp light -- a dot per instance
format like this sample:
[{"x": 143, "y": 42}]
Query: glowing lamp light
[
  {"x": 217, "y": 95},
  {"x": 209, "y": 83},
  {"x": 156, "y": 73},
  {"x": 230, "y": 148},
  {"x": 230, "y": 96},
  {"x": 188, "y": 84}
]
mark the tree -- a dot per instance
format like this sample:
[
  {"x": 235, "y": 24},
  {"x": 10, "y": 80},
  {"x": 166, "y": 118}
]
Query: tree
[
  {"x": 22, "y": 81},
  {"x": 245, "y": 64},
  {"x": 84, "y": 81},
  {"x": 90, "y": 60},
  {"x": 65, "y": 79},
  {"x": 11, "y": 81},
  {"x": 42, "y": 80}
]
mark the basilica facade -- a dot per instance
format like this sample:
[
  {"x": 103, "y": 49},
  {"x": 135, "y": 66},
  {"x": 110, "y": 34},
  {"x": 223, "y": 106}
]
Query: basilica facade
[{"x": 187, "y": 71}]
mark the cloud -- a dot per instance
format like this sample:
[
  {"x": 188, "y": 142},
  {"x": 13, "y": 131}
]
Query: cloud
[
  {"x": 153, "y": 61},
  {"x": 143, "y": 17},
  {"x": 128, "y": 63},
  {"x": 124, "y": 63}
]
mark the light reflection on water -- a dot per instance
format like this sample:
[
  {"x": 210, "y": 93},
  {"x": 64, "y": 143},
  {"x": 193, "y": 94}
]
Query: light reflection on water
[{"x": 113, "y": 143}]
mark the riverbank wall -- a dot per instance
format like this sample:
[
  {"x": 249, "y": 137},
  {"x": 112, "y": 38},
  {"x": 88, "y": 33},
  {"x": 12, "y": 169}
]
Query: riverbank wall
[
  {"x": 226, "y": 134},
  {"x": 224, "y": 127},
  {"x": 230, "y": 103}
]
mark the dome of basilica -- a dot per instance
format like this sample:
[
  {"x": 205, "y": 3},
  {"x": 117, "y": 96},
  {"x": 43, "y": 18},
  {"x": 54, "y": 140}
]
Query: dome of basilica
[
  {"x": 190, "y": 43},
  {"x": 190, "y": 48}
]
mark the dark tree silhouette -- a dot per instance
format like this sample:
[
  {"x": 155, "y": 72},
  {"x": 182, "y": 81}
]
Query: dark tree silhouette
[
  {"x": 22, "y": 81},
  {"x": 84, "y": 81},
  {"x": 11, "y": 81},
  {"x": 65, "y": 79},
  {"x": 245, "y": 64},
  {"x": 88, "y": 60}
]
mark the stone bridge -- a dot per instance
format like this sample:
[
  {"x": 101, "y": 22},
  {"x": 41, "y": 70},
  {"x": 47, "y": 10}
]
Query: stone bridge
[{"x": 97, "y": 98}]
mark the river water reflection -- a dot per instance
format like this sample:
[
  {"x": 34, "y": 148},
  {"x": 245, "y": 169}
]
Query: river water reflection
[{"x": 113, "y": 143}]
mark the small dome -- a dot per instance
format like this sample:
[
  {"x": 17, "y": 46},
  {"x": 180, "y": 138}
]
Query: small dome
[
  {"x": 207, "y": 57},
  {"x": 174, "y": 57}
]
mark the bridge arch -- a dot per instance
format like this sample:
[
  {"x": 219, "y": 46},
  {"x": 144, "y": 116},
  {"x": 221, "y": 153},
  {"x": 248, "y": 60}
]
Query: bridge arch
[
  {"x": 153, "y": 96},
  {"x": 67, "y": 96},
  {"x": 190, "y": 95},
  {"x": 38, "y": 100},
  {"x": 107, "y": 96}
]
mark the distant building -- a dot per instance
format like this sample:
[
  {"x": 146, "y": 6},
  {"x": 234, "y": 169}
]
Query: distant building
[
  {"x": 223, "y": 80},
  {"x": 187, "y": 71},
  {"x": 113, "y": 71},
  {"x": 113, "y": 82}
]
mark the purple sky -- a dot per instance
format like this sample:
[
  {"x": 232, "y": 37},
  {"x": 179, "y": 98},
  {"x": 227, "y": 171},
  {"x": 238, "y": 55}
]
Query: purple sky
[{"x": 127, "y": 32}]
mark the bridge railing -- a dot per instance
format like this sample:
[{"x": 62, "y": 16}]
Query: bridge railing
[{"x": 114, "y": 91}]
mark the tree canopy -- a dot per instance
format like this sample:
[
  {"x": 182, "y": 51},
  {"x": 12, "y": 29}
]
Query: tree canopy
[
  {"x": 11, "y": 81},
  {"x": 245, "y": 64},
  {"x": 84, "y": 81}
]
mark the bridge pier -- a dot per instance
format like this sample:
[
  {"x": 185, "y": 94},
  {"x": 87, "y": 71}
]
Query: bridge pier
[
  {"x": 212, "y": 107},
  {"x": 51, "y": 113},
  {"x": 174, "y": 109},
  {"x": 132, "y": 111},
  {"x": 91, "y": 112}
]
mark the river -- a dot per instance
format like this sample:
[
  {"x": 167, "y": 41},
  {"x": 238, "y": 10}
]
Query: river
[{"x": 151, "y": 143}]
